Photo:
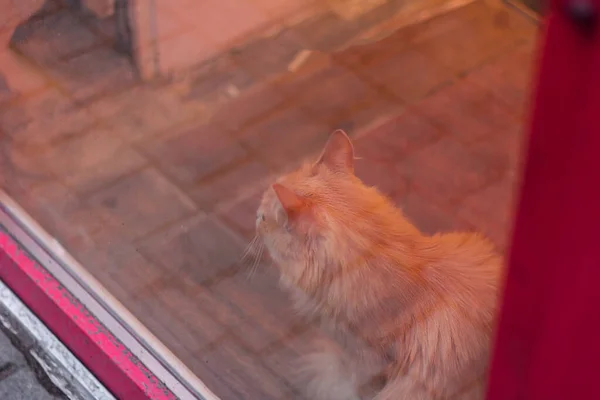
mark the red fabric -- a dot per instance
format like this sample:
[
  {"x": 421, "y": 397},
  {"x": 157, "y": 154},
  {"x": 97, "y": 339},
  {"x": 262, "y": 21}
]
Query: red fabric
[{"x": 548, "y": 341}]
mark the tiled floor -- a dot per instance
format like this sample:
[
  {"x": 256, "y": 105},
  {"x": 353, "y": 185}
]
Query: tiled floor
[{"x": 154, "y": 187}]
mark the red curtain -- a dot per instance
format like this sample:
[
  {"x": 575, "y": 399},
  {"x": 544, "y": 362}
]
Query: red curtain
[{"x": 548, "y": 341}]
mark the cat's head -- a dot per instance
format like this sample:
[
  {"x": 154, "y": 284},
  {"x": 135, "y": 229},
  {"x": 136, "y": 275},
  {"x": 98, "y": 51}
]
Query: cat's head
[{"x": 301, "y": 215}]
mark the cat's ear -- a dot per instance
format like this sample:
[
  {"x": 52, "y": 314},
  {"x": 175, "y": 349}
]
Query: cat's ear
[
  {"x": 290, "y": 201},
  {"x": 296, "y": 211},
  {"x": 338, "y": 154}
]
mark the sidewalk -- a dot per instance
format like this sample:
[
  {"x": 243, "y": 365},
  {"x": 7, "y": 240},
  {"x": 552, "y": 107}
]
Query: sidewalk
[
  {"x": 34, "y": 364},
  {"x": 20, "y": 376}
]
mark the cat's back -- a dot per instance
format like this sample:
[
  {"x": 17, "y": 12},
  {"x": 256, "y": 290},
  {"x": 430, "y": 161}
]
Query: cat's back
[
  {"x": 465, "y": 271},
  {"x": 450, "y": 345},
  {"x": 466, "y": 259}
]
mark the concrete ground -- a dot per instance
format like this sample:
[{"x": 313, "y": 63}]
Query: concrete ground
[
  {"x": 20, "y": 378},
  {"x": 34, "y": 364}
]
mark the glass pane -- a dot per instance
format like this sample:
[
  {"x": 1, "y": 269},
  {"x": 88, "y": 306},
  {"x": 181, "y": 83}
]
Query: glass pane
[{"x": 143, "y": 135}]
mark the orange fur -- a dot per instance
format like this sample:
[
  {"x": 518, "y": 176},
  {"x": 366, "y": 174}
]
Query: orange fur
[{"x": 416, "y": 309}]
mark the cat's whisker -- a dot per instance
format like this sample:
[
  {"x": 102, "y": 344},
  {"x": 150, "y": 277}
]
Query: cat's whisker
[
  {"x": 256, "y": 262},
  {"x": 259, "y": 260},
  {"x": 250, "y": 249}
]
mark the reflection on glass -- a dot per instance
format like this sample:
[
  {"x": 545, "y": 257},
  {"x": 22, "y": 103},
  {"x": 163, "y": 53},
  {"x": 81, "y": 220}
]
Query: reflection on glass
[{"x": 149, "y": 163}]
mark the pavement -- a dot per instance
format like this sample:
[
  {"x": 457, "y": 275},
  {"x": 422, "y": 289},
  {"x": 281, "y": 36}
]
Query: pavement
[
  {"x": 21, "y": 378},
  {"x": 34, "y": 364}
]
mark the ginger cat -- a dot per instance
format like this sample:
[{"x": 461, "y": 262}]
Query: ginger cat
[{"x": 412, "y": 314}]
